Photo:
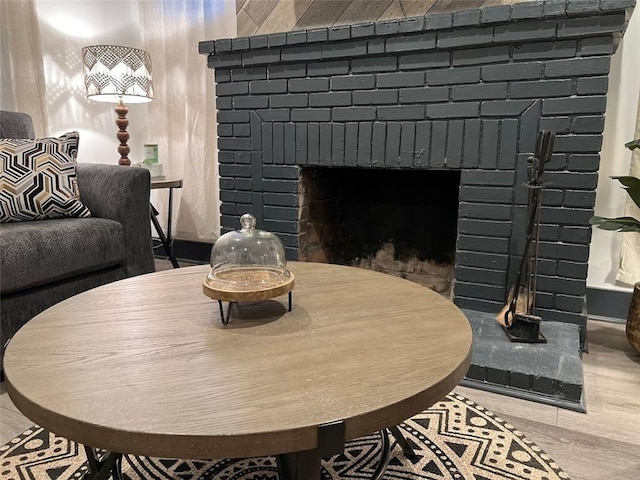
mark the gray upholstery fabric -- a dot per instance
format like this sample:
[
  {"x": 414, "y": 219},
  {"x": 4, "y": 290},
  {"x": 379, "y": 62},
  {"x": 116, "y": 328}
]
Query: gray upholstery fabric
[
  {"x": 122, "y": 194},
  {"x": 15, "y": 125},
  {"x": 113, "y": 244},
  {"x": 64, "y": 247}
]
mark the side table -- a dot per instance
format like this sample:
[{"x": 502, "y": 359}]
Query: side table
[{"x": 166, "y": 240}]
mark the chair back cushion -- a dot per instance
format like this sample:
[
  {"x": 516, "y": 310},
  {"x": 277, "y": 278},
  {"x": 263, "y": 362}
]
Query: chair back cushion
[{"x": 16, "y": 125}]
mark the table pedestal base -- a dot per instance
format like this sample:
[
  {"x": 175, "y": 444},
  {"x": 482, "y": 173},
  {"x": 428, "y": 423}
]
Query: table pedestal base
[
  {"x": 299, "y": 465},
  {"x": 303, "y": 465},
  {"x": 306, "y": 465}
]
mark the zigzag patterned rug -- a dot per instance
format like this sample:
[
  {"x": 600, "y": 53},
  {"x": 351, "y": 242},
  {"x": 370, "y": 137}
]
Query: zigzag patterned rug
[{"x": 455, "y": 439}]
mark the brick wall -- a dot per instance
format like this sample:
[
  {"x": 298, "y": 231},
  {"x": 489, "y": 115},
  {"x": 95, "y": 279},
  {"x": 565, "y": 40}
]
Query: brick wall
[{"x": 468, "y": 91}]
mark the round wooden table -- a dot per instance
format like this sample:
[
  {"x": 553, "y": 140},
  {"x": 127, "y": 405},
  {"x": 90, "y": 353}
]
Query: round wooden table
[{"x": 144, "y": 365}]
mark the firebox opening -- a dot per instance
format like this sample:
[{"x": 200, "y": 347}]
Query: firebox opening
[{"x": 401, "y": 222}]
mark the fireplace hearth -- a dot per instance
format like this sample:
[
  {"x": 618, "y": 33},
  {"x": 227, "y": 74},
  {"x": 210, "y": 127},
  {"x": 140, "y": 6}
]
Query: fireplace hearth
[{"x": 464, "y": 92}]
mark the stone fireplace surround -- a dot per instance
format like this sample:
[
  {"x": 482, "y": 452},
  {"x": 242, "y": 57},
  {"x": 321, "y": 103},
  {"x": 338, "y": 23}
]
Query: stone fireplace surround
[{"x": 466, "y": 91}]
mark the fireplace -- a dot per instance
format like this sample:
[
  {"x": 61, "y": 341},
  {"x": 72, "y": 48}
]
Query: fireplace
[
  {"x": 401, "y": 222},
  {"x": 465, "y": 93}
]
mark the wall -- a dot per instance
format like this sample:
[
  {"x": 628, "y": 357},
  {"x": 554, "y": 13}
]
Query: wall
[
  {"x": 619, "y": 128},
  {"x": 65, "y": 27}
]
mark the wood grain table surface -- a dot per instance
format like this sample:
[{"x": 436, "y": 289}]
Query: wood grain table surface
[{"x": 144, "y": 365}]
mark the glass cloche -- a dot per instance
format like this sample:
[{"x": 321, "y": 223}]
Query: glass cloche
[{"x": 247, "y": 259}]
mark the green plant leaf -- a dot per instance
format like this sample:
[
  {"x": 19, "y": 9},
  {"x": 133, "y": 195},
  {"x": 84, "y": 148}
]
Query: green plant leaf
[
  {"x": 619, "y": 224},
  {"x": 633, "y": 144},
  {"x": 632, "y": 186}
]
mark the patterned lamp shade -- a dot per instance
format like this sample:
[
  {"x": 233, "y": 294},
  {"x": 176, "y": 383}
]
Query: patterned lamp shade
[{"x": 113, "y": 73}]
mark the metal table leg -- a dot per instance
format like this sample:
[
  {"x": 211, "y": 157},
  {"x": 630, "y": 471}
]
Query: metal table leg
[
  {"x": 406, "y": 448},
  {"x": 164, "y": 239},
  {"x": 99, "y": 469}
]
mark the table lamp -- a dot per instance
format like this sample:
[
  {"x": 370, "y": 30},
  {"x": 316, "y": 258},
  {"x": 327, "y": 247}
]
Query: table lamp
[{"x": 114, "y": 74}]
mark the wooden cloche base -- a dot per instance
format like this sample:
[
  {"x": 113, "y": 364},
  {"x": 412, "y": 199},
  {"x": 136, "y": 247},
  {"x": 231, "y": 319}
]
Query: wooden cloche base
[{"x": 247, "y": 286}]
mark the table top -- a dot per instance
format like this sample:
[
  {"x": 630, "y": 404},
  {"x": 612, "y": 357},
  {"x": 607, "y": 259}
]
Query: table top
[
  {"x": 165, "y": 182},
  {"x": 145, "y": 366}
]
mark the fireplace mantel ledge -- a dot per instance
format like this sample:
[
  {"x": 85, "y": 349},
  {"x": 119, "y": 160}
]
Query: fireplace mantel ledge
[{"x": 491, "y": 25}]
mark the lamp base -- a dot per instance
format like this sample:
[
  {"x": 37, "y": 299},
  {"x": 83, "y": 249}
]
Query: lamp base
[{"x": 123, "y": 135}]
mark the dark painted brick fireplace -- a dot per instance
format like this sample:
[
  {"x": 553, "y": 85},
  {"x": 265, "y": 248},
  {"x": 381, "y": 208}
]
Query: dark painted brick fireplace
[{"x": 464, "y": 91}]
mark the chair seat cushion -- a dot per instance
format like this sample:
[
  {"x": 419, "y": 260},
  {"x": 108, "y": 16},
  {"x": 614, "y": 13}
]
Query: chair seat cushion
[{"x": 43, "y": 251}]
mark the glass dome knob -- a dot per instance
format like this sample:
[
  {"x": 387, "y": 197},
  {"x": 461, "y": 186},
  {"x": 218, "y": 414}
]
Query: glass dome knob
[{"x": 248, "y": 222}]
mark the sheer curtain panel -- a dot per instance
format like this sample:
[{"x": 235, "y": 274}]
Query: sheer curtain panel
[
  {"x": 183, "y": 116},
  {"x": 22, "y": 82}
]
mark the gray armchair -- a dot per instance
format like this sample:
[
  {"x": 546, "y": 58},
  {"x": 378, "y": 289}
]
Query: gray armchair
[{"x": 43, "y": 262}]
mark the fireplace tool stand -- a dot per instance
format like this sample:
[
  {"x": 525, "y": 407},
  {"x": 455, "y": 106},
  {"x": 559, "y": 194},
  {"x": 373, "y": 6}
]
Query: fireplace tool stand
[{"x": 518, "y": 318}]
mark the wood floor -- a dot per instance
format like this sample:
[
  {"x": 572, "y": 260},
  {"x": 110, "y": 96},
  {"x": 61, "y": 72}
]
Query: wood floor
[{"x": 601, "y": 444}]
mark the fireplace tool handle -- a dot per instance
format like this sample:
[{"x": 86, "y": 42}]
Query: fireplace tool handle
[{"x": 524, "y": 326}]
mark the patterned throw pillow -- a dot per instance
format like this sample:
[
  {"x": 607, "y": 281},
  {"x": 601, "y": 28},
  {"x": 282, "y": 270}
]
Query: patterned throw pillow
[{"x": 38, "y": 179}]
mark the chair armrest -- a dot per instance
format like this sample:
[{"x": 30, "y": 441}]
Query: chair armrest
[{"x": 121, "y": 194}]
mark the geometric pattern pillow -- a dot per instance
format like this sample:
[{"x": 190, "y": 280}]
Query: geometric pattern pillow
[{"x": 38, "y": 179}]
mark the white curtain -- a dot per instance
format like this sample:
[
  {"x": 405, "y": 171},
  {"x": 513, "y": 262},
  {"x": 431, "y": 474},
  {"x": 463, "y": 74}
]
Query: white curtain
[
  {"x": 22, "y": 82},
  {"x": 629, "y": 268},
  {"x": 183, "y": 116}
]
